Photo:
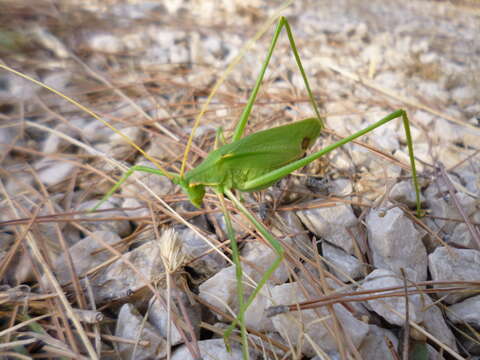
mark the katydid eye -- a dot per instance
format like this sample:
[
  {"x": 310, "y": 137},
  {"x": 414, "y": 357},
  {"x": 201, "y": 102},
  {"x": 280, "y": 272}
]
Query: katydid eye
[{"x": 305, "y": 142}]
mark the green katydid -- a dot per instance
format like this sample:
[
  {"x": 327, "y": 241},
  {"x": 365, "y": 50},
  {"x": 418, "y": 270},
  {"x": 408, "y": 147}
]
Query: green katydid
[{"x": 256, "y": 162}]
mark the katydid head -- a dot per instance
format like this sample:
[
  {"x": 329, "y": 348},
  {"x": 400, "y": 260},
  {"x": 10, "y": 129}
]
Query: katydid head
[{"x": 195, "y": 192}]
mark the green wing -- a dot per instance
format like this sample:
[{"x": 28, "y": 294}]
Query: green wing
[
  {"x": 272, "y": 148},
  {"x": 255, "y": 155}
]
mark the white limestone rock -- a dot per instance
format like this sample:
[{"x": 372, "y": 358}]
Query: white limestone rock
[
  {"x": 106, "y": 43},
  {"x": 53, "y": 172},
  {"x": 130, "y": 325},
  {"x": 435, "y": 324},
  {"x": 343, "y": 265},
  {"x": 396, "y": 243},
  {"x": 404, "y": 192},
  {"x": 213, "y": 349},
  {"x": 392, "y": 309},
  {"x": 119, "y": 280},
  {"x": 454, "y": 265},
  {"x": 85, "y": 254},
  {"x": 158, "y": 316},
  {"x": 375, "y": 347},
  {"x": 294, "y": 326},
  {"x": 121, "y": 227},
  {"x": 221, "y": 291},
  {"x": 331, "y": 223},
  {"x": 467, "y": 311}
]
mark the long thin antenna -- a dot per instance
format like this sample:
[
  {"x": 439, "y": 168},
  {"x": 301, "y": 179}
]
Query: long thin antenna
[{"x": 222, "y": 78}]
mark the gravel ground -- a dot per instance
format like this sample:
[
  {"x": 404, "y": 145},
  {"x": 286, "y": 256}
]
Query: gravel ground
[{"x": 347, "y": 221}]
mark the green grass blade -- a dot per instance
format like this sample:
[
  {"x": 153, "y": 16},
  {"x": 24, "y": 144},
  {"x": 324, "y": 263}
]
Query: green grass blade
[{"x": 406, "y": 126}]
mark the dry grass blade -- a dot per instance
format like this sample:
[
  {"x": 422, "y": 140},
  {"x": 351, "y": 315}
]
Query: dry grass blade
[
  {"x": 53, "y": 281},
  {"x": 406, "y": 329}
]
